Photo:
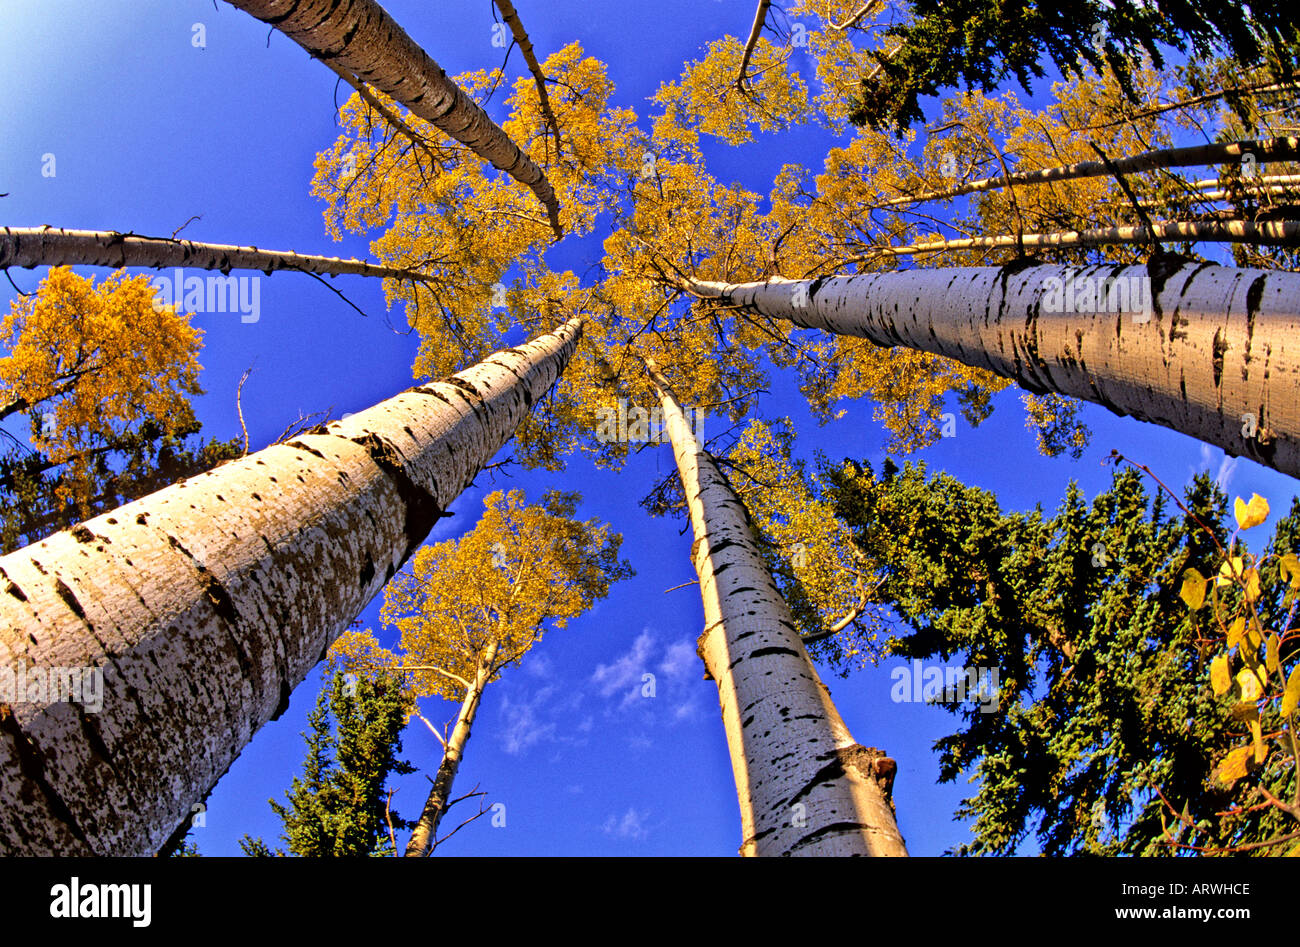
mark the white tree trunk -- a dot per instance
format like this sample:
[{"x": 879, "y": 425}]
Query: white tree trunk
[
  {"x": 1280, "y": 233},
  {"x": 51, "y": 246},
  {"x": 805, "y": 787},
  {"x": 360, "y": 36},
  {"x": 1268, "y": 149},
  {"x": 435, "y": 807},
  {"x": 206, "y": 603},
  {"x": 751, "y": 42},
  {"x": 1216, "y": 356},
  {"x": 511, "y": 18}
]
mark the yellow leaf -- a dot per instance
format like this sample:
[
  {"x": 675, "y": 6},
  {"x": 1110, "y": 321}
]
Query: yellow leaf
[
  {"x": 1220, "y": 680},
  {"x": 1271, "y": 658},
  {"x": 1252, "y": 513},
  {"x": 1291, "y": 696},
  {"x": 1236, "y": 631},
  {"x": 1289, "y": 567},
  {"x": 1229, "y": 571},
  {"x": 1193, "y": 590},
  {"x": 1233, "y": 766},
  {"x": 1249, "y": 684},
  {"x": 1244, "y": 711}
]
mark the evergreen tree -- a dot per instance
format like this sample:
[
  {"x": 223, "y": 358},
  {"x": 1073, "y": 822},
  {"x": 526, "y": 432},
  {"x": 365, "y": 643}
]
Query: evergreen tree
[
  {"x": 1105, "y": 730},
  {"x": 980, "y": 43},
  {"x": 338, "y": 806}
]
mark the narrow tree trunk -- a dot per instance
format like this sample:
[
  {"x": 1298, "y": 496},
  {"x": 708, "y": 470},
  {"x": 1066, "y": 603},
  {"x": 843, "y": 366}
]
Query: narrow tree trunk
[
  {"x": 426, "y": 830},
  {"x": 805, "y": 787},
  {"x": 206, "y": 603},
  {"x": 855, "y": 17},
  {"x": 1256, "y": 183},
  {"x": 511, "y": 17},
  {"x": 52, "y": 246},
  {"x": 1258, "y": 88},
  {"x": 361, "y": 37},
  {"x": 1272, "y": 149},
  {"x": 1279, "y": 233},
  {"x": 755, "y": 31},
  {"x": 1216, "y": 354}
]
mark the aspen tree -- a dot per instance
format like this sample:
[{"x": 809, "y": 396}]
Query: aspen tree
[
  {"x": 805, "y": 787},
  {"x": 203, "y": 605}
]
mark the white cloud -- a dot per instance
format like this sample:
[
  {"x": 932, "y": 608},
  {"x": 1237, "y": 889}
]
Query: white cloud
[
  {"x": 522, "y": 725},
  {"x": 677, "y": 674},
  {"x": 687, "y": 710},
  {"x": 625, "y": 672},
  {"x": 631, "y": 826},
  {"x": 680, "y": 660},
  {"x": 538, "y": 665},
  {"x": 1227, "y": 466}
]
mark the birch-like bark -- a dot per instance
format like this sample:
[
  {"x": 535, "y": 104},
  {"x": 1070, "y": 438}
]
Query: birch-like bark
[
  {"x": 1258, "y": 88},
  {"x": 1210, "y": 351},
  {"x": 511, "y": 17},
  {"x": 203, "y": 605},
  {"x": 805, "y": 787},
  {"x": 53, "y": 246},
  {"x": 435, "y": 806},
  {"x": 1259, "y": 182},
  {"x": 755, "y": 31},
  {"x": 1272, "y": 149},
  {"x": 360, "y": 36},
  {"x": 1277, "y": 233},
  {"x": 387, "y": 114},
  {"x": 856, "y": 17}
]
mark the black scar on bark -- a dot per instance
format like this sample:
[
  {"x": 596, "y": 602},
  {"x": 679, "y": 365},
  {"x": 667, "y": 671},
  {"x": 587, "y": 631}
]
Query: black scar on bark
[
  {"x": 32, "y": 764},
  {"x": 299, "y": 445},
  {"x": 422, "y": 510},
  {"x": 283, "y": 704},
  {"x": 70, "y": 599},
  {"x": 837, "y": 828}
]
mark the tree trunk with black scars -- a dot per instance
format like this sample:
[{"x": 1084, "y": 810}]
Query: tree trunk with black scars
[
  {"x": 206, "y": 603},
  {"x": 53, "y": 246},
  {"x": 360, "y": 36},
  {"x": 1216, "y": 356},
  {"x": 805, "y": 787}
]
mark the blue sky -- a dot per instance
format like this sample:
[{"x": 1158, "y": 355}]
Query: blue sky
[{"x": 149, "y": 130}]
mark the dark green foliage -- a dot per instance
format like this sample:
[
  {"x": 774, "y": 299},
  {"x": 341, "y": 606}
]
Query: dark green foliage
[
  {"x": 979, "y": 43},
  {"x": 337, "y": 807},
  {"x": 1103, "y": 671}
]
